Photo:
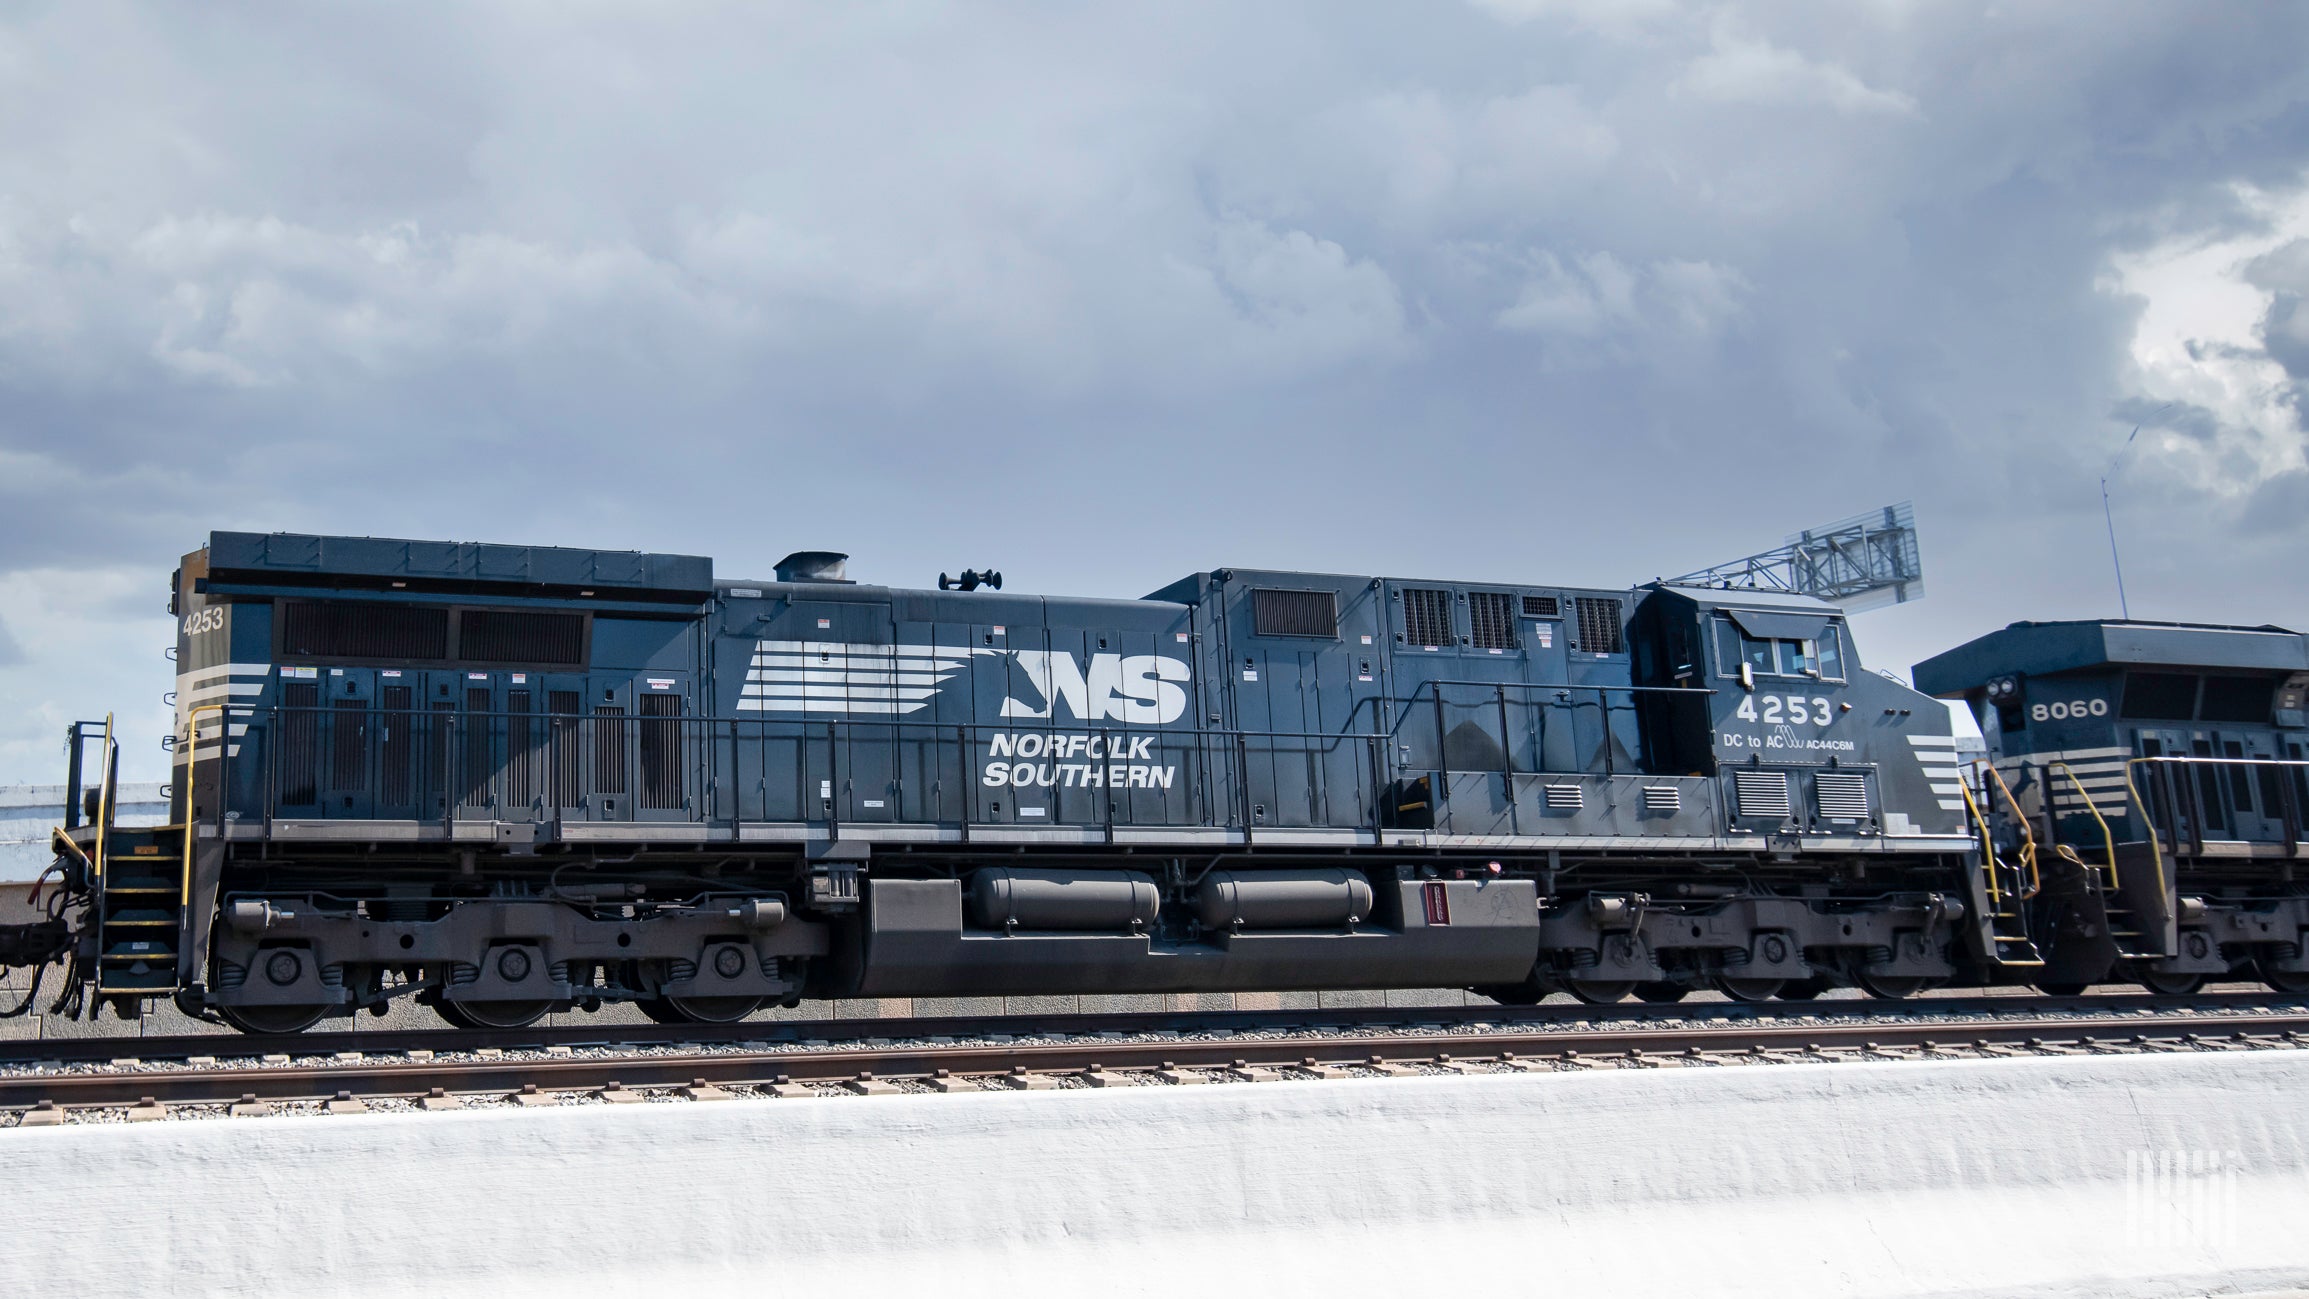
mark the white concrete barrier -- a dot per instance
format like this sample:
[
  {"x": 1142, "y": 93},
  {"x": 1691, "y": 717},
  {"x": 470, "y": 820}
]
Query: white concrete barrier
[{"x": 2120, "y": 1175}]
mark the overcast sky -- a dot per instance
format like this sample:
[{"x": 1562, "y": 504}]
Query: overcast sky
[{"x": 1530, "y": 290}]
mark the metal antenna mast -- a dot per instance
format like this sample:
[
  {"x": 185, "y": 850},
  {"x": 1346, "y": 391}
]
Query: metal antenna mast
[{"x": 2124, "y": 606}]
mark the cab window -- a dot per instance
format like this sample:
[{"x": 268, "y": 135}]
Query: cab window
[{"x": 1822, "y": 658}]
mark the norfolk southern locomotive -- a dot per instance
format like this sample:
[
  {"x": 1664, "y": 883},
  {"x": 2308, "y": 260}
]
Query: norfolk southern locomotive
[{"x": 506, "y": 780}]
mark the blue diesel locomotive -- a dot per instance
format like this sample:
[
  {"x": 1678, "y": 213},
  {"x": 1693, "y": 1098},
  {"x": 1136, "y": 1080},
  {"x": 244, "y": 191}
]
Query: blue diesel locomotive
[{"x": 505, "y": 780}]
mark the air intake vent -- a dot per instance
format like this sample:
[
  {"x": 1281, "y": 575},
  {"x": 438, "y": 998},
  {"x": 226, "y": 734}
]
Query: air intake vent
[
  {"x": 494, "y": 636},
  {"x": 1492, "y": 615},
  {"x": 1843, "y": 795},
  {"x": 1295, "y": 613},
  {"x": 1663, "y": 798},
  {"x": 1542, "y": 606},
  {"x": 1565, "y": 798},
  {"x": 338, "y": 629},
  {"x": 1427, "y": 616},
  {"x": 1762, "y": 793},
  {"x": 1599, "y": 624}
]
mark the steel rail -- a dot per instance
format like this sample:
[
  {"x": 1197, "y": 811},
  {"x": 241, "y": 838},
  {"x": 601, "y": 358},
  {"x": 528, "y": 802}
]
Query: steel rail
[
  {"x": 97, "y": 1049},
  {"x": 863, "y": 1068}
]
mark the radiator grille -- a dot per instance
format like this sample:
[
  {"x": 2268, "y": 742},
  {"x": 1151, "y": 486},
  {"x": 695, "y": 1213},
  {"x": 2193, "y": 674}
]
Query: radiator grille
[
  {"x": 348, "y": 745},
  {"x": 1295, "y": 613},
  {"x": 480, "y": 772},
  {"x": 1426, "y": 616},
  {"x": 300, "y": 744},
  {"x": 661, "y": 783},
  {"x": 1491, "y": 615},
  {"x": 520, "y": 750},
  {"x": 1565, "y": 798},
  {"x": 1843, "y": 795},
  {"x": 498, "y": 636},
  {"x": 1599, "y": 624},
  {"x": 1542, "y": 606},
  {"x": 609, "y": 749},
  {"x": 350, "y": 629},
  {"x": 1762, "y": 793},
  {"x": 1663, "y": 798}
]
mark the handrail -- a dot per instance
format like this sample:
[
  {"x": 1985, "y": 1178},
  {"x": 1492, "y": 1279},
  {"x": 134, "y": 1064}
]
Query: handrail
[
  {"x": 2027, "y": 831},
  {"x": 1987, "y": 844},
  {"x": 2108, "y": 836},
  {"x": 103, "y": 800}
]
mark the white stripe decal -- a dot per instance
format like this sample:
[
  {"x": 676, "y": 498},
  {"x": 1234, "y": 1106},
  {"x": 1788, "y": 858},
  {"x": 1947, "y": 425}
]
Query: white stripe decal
[{"x": 789, "y": 676}]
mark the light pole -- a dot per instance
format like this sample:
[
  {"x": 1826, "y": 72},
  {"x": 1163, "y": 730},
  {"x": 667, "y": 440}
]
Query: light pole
[{"x": 2124, "y": 607}]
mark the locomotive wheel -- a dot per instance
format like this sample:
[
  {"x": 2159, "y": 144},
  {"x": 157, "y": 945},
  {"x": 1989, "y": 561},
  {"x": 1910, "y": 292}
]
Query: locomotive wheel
[
  {"x": 1749, "y": 989},
  {"x": 700, "y": 1010},
  {"x": 272, "y": 1019},
  {"x": 493, "y": 1014},
  {"x": 1803, "y": 989},
  {"x": 1891, "y": 987},
  {"x": 2292, "y": 983},
  {"x": 2061, "y": 989},
  {"x": 1600, "y": 992},
  {"x": 1661, "y": 992},
  {"x": 2170, "y": 985}
]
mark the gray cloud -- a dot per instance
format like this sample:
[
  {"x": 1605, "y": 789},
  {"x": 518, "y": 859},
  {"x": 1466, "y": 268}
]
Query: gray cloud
[{"x": 1533, "y": 287}]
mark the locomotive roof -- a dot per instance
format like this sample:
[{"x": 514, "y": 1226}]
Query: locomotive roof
[
  {"x": 2050, "y": 648},
  {"x": 300, "y": 559}
]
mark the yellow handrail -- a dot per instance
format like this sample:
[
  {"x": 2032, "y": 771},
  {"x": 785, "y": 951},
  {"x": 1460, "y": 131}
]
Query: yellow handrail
[
  {"x": 1987, "y": 844},
  {"x": 2108, "y": 836},
  {"x": 103, "y": 801},
  {"x": 2028, "y": 834}
]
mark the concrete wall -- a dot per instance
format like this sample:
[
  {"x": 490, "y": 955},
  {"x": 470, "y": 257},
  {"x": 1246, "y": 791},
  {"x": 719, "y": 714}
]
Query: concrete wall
[
  {"x": 2027, "y": 1177},
  {"x": 29, "y": 812}
]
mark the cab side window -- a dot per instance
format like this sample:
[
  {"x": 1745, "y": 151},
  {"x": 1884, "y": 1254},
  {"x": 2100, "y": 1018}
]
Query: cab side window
[{"x": 1822, "y": 658}]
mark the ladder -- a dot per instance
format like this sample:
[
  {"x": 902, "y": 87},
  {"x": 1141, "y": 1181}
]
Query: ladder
[
  {"x": 2133, "y": 939},
  {"x": 137, "y": 877},
  {"x": 139, "y": 904},
  {"x": 2003, "y": 887}
]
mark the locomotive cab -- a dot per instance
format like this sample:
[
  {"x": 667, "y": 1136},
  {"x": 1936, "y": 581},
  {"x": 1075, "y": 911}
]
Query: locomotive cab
[{"x": 2161, "y": 772}]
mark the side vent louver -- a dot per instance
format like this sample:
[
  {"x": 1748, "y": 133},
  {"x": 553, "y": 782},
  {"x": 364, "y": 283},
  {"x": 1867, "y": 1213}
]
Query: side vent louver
[
  {"x": 493, "y": 636},
  {"x": 1599, "y": 624},
  {"x": 1427, "y": 616},
  {"x": 1312, "y": 614},
  {"x": 1762, "y": 793},
  {"x": 1843, "y": 795},
  {"x": 1542, "y": 606},
  {"x": 1663, "y": 798},
  {"x": 1492, "y": 614},
  {"x": 1565, "y": 798},
  {"x": 351, "y": 629}
]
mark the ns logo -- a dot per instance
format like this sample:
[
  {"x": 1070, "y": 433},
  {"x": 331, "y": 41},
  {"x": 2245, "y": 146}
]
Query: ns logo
[{"x": 1138, "y": 688}]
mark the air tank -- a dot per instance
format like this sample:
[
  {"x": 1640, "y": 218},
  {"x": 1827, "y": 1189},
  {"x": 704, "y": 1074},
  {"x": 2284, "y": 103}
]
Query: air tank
[
  {"x": 1326, "y": 898},
  {"x": 1004, "y": 897}
]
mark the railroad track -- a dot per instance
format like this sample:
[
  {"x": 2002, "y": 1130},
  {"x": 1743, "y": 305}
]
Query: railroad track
[
  {"x": 152, "y": 1087},
  {"x": 99, "y": 1048}
]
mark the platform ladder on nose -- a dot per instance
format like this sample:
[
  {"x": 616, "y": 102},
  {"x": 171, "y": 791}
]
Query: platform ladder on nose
[
  {"x": 2003, "y": 887},
  {"x": 2127, "y": 928},
  {"x": 137, "y": 881}
]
